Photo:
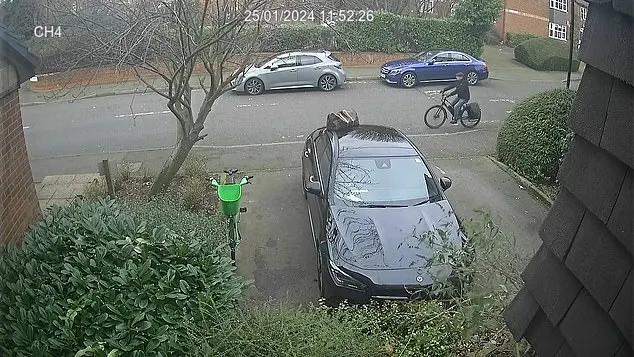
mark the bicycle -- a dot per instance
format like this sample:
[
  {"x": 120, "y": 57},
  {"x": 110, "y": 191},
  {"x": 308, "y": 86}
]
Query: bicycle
[
  {"x": 440, "y": 115},
  {"x": 229, "y": 195}
]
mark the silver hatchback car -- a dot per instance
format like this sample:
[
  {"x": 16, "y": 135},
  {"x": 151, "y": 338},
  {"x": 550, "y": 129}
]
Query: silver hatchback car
[{"x": 292, "y": 69}]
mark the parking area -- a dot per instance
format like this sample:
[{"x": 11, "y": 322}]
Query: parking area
[{"x": 277, "y": 251}]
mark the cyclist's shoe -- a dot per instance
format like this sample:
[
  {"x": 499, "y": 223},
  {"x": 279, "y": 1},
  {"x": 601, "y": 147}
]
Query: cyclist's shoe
[
  {"x": 230, "y": 171},
  {"x": 453, "y": 122}
]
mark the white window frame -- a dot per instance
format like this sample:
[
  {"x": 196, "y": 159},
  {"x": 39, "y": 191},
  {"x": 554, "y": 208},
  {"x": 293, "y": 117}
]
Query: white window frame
[
  {"x": 583, "y": 13},
  {"x": 561, "y": 5},
  {"x": 427, "y": 6},
  {"x": 554, "y": 29}
]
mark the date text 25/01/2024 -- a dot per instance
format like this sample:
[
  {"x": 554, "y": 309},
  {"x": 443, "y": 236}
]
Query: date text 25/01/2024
[{"x": 325, "y": 16}]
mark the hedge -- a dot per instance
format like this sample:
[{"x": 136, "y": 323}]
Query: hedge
[
  {"x": 514, "y": 39},
  {"x": 535, "y": 138},
  {"x": 545, "y": 54},
  {"x": 387, "y": 33},
  {"x": 93, "y": 275}
]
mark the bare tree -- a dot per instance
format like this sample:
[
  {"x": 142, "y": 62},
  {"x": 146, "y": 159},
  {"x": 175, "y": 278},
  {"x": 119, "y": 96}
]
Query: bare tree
[{"x": 164, "y": 43}]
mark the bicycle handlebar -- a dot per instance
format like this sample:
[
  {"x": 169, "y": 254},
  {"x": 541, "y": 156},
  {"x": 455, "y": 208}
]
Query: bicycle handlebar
[{"x": 244, "y": 181}]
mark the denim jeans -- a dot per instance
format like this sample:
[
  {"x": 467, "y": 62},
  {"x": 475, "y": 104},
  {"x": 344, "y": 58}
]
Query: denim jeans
[{"x": 457, "y": 104}]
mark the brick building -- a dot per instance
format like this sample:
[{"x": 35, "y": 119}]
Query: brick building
[
  {"x": 544, "y": 18},
  {"x": 19, "y": 206},
  {"x": 577, "y": 294}
]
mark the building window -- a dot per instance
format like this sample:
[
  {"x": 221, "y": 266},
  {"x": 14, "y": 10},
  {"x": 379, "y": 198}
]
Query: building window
[
  {"x": 561, "y": 5},
  {"x": 583, "y": 13},
  {"x": 557, "y": 31}
]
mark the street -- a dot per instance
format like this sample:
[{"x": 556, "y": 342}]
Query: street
[{"x": 142, "y": 121}]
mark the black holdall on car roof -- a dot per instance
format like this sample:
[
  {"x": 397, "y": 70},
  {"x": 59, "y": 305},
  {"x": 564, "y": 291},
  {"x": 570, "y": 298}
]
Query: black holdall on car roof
[{"x": 343, "y": 119}]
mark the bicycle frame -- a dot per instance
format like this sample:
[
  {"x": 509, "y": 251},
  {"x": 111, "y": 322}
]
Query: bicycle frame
[{"x": 230, "y": 195}]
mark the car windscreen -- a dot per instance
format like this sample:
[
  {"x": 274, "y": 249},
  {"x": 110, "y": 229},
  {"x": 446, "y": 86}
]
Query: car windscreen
[
  {"x": 425, "y": 55},
  {"x": 266, "y": 60},
  {"x": 383, "y": 181}
]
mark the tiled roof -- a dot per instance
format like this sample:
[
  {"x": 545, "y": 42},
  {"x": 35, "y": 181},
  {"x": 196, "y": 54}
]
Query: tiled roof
[{"x": 577, "y": 296}]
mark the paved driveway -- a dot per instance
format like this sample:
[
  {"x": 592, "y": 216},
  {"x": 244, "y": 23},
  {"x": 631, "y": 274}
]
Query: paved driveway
[{"x": 277, "y": 251}]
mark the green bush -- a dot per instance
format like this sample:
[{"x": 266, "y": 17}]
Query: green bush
[
  {"x": 514, "y": 39},
  {"x": 282, "y": 331},
  {"x": 169, "y": 212},
  {"x": 545, "y": 54},
  {"x": 91, "y": 275},
  {"x": 394, "y": 33},
  {"x": 535, "y": 137}
]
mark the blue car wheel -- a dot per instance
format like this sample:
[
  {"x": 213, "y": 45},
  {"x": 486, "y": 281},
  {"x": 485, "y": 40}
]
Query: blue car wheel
[{"x": 408, "y": 79}]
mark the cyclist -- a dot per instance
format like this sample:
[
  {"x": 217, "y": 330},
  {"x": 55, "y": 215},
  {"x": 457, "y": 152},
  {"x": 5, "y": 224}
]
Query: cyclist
[{"x": 461, "y": 90}]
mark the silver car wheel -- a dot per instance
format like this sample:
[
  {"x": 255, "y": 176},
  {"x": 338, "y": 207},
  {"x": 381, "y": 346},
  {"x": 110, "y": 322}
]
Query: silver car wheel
[
  {"x": 254, "y": 86},
  {"x": 327, "y": 82},
  {"x": 472, "y": 78},
  {"x": 409, "y": 79}
]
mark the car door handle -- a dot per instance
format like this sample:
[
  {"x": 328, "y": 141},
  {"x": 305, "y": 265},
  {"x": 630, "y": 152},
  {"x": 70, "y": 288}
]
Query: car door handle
[
  {"x": 307, "y": 153},
  {"x": 293, "y": 70},
  {"x": 312, "y": 179},
  {"x": 317, "y": 67}
]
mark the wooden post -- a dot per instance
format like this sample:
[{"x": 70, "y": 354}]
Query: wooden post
[{"x": 109, "y": 183}]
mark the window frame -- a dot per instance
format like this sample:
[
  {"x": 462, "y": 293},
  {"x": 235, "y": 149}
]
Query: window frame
[
  {"x": 559, "y": 5},
  {"x": 554, "y": 28}
]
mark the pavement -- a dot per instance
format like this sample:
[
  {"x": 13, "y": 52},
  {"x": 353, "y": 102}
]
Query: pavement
[
  {"x": 59, "y": 190},
  {"x": 277, "y": 250}
]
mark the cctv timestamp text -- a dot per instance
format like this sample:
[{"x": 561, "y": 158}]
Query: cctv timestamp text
[{"x": 325, "y": 16}]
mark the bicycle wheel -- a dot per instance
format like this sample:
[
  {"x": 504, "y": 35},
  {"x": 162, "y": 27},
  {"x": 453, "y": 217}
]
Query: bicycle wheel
[
  {"x": 437, "y": 117},
  {"x": 233, "y": 227},
  {"x": 469, "y": 122}
]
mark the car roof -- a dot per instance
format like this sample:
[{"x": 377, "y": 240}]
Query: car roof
[
  {"x": 373, "y": 140},
  {"x": 305, "y": 52}
]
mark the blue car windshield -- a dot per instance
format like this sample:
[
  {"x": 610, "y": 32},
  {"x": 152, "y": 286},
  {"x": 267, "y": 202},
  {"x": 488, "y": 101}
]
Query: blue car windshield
[
  {"x": 383, "y": 181},
  {"x": 426, "y": 55}
]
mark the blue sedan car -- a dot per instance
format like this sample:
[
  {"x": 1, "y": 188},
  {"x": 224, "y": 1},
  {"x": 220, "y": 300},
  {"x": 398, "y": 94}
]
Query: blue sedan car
[{"x": 434, "y": 66}]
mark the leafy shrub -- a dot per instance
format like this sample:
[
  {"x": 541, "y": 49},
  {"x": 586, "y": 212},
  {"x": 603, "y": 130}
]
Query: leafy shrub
[
  {"x": 535, "y": 137},
  {"x": 165, "y": 211},
  {"x": 479, "y": 15},
  {"x": 514, "y": 39},
  {"x": 281, "y": 331},
  {"x": 394, "y": 33},
  {"x": 545, "y": 54},
  {"x": 91, "y": 274},
  {"x": 194, "y": 193}
]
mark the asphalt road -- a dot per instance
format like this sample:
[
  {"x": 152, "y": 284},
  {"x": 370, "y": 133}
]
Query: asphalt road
[{"x": 142, "y": 121}]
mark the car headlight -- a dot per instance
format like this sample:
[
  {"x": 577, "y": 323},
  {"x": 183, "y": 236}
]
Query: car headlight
[
  {"x": 344, "y": 280},
  {"x": 396, "y": 71}
]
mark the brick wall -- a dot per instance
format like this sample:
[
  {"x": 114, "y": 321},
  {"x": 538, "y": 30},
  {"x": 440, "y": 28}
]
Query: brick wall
[
  {"x": 524, "y": 16},
  {"x": 19, "y": 206}
]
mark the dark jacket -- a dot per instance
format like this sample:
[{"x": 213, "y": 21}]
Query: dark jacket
[{"x": 461, "y": 89}]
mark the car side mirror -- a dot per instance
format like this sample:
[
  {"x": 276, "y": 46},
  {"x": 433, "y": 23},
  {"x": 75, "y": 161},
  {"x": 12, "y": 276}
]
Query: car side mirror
[
  {"x": 274, "y": 67},
  {"x": 445, "y": 183},
  {"x": 313, "y": 187},
  {"x": 431, "y": 62}
]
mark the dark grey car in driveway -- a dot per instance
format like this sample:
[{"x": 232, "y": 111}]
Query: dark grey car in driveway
[{"x": 374, "y": 203}]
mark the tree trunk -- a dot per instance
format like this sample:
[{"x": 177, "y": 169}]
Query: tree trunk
[{"x": 172, "y": 164}]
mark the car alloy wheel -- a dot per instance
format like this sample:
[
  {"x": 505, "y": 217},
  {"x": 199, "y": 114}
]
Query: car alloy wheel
[
  {"x": 408, "y": 80},
  {"x": 254, "y": 86},
  {"x": 327, "y": 82},
  {"x": 472, "y": 78}
]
